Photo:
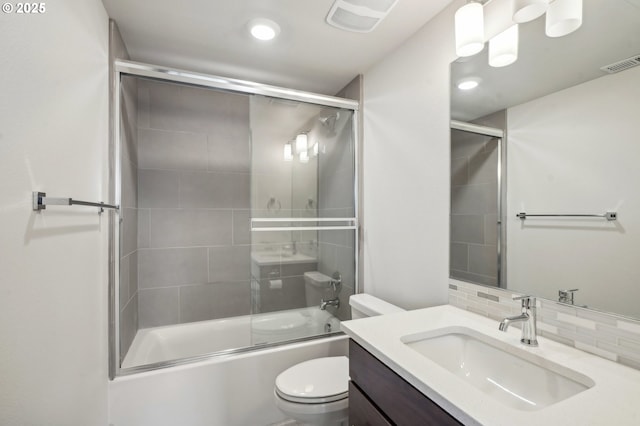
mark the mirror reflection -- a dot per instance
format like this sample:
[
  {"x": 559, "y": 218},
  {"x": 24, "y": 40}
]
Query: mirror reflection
[{"x": 571, "y": 111}]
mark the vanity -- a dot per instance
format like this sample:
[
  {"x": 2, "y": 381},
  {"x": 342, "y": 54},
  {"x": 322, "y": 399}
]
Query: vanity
[
  {"x": 378, "y": 396},
  {"x": 447, "y": 366}
]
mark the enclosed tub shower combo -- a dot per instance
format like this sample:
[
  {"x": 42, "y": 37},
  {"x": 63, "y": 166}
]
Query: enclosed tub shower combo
[{"x": 237, "y": 227}]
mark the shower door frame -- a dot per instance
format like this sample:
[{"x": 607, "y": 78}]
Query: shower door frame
[
  {"x": 500, "y": 134},
  {"x": 172, "y": 75}
]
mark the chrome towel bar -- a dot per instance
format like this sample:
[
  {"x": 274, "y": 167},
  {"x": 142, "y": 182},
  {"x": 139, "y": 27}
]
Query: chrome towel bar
[
  {"x": 608, "y": 215},
  {"x": 41, "y": 201},
  {"x": 351, "y": 224}
]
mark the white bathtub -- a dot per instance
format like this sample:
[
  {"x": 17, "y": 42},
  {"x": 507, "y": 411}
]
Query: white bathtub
[
  {"x": 192, "y": 339},
  {"x": 235, "y": 390}
]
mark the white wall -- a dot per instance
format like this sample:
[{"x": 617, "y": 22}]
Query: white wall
[
  {"x": 406, "y": 168},
  {"x": 53, "y": 265},
  {"x": 577, "y": 151}
]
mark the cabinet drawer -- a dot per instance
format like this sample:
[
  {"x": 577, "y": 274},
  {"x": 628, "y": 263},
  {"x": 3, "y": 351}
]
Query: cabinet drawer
[
  {"x": 362, "y": 412},
  {"x": 400, "y": 402}
]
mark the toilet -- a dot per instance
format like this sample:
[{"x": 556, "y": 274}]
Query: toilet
[{"x": 315, "y": 392}]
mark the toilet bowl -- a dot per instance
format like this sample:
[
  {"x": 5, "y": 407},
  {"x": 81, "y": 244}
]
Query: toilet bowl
[{"x": 315, "y": 392}]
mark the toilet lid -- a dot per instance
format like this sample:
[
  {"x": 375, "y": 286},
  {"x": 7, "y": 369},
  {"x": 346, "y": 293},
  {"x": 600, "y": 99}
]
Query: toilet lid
[{"x": 315, "y": 381}]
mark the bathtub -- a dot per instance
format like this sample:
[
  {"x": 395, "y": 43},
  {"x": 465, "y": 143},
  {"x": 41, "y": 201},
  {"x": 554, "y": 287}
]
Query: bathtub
[
  {"x": 229, "y": 390},
  {"x": 173, "y": 342}
]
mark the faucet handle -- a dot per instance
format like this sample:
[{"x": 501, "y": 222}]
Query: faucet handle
[
  {"x": 528, "y": 301},
  {"x": 566, "y": 296}
]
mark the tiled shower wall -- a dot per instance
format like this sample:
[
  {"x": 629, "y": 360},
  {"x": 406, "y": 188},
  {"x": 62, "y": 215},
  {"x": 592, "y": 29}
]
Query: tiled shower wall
[
  {"x": 474, "y": 207},
  {"x": 193, "y": 204},
  {"x": 474, "y": 203},
  {"x": 606, "y": 335}
]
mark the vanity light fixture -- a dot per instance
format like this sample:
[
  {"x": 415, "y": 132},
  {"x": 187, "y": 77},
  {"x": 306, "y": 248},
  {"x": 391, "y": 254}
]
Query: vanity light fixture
[
  {"x": 469, "y": 29},
  {"x": 302, "y": 143},
  {"x": 263, "y": 29},
  {"x": 288, "y": 152},
  {"x": 315, "y": 149},
  {"x": 503, "y": 48},
  {"x": 304, "y": 157},
  {"x": 563, "y": 17},
  {"x": 528, "y": 10}
]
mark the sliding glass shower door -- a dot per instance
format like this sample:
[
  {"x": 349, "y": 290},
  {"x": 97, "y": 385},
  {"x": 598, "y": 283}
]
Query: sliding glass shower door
[
  {"x": 238, "y": 216},
  {"x": 302, "y": 218}
]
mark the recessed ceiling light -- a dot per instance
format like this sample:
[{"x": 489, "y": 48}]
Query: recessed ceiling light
[
  {"x": 264, "y": 29},
  {"x": 468, "y": 84}
]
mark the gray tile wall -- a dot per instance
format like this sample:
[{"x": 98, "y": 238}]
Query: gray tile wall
[
  {"x": 609, "y": 336},
  {"x": 193, "y": 204},
  {"x": 474, "y": 207}
]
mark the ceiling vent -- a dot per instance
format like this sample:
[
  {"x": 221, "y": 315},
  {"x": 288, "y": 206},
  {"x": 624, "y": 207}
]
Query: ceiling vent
[
  {"x": 360, "y": 16},
  {"x": 625, "y": 64}
]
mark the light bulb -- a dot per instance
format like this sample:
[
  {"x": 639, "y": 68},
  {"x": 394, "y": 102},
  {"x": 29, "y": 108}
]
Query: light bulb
[
  {"x": 469, "y": 26},
  {"x": 563, "y": 17},
  {"x": 528, "y": 10},
  {"x": 301, "y": 143},
  {"x": 288, "y": 152},
  {"x": 503, "y": 48},
  {"x": 264, "y": 29},
  {"x": 468, "y": 84}
]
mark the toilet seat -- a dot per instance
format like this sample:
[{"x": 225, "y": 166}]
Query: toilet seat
[{"x": 317, "y": 381}]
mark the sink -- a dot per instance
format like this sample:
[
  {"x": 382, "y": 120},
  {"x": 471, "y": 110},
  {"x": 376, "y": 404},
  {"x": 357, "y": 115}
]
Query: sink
[{"x": 515, "y": 377}]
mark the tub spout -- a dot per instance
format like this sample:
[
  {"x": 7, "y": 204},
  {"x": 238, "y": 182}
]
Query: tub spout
[{"x": 329, "y": 302}]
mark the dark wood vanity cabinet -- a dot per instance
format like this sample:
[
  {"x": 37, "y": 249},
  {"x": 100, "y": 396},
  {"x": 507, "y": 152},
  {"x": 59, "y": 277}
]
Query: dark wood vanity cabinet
[{"x": 380, "y": 397}]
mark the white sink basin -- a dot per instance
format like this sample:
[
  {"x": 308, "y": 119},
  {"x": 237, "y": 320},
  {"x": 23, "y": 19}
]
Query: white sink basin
[{"x": 512, "y": 376}]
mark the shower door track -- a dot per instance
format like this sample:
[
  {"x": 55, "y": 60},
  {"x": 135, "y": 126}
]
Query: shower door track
[{"x": 230, "y": 84}]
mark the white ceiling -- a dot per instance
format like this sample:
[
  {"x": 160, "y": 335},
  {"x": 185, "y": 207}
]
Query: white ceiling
[{"x": 211, "y": 36}]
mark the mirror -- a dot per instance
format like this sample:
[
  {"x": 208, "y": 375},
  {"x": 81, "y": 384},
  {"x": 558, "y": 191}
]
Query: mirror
[{"x": 570, "y": 147}]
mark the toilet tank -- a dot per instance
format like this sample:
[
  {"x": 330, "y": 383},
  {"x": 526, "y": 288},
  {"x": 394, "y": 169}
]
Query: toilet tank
[{"x": 366, "y": 305}]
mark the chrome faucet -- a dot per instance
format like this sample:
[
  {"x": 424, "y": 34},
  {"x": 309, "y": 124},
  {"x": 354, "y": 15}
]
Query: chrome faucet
[
  {"x": 528, "y": 319},
  {"x": 329, "y": 302},
  {"x": 566, "y": 296}
]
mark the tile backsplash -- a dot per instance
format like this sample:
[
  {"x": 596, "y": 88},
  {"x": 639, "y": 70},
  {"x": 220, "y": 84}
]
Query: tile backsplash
[{"x": 606, "y": 335}]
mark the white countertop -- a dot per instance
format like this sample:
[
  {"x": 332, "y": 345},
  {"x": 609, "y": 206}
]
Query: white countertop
[
  {"x": 614, "y": 400},
  {"x": 277, "y": 258}
]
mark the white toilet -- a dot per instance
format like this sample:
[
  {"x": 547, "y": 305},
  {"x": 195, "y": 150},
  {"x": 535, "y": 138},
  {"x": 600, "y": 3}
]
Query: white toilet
[{"x": 315, "y": 392}]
